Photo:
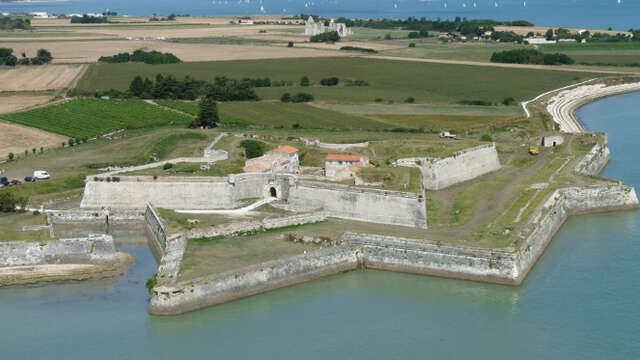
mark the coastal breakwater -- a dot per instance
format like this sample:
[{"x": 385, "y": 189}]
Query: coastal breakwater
[
  {"x": 503, "y": 266},
  {"x": 80, "y": 258},
  {"x": 562, "y": 106},
  {"x": 462, "y": 166}
]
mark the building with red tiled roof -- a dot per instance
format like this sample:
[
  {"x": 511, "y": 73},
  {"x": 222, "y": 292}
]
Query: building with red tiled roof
[
  {"x": 282, "y": 159},
  {"x": 341, "y": 166}
]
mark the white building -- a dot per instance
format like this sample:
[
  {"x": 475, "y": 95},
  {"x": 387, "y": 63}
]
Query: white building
[
  {"x": 39, "y": 15},
  {"x": 312, "y": 28},
  {"x": 539, "y": 40}
]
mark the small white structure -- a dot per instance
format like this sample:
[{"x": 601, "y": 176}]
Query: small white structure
[
  {"x": 568, "y": 40},
  {"x": 39, "y": 15},
  {"x": 283, "y": 159},
  {"x": 538, "y": 40},
  {"x": 552, "y": 141},
  {"x": 447, "y": 135},
  {"x": 340, "y": 166}
]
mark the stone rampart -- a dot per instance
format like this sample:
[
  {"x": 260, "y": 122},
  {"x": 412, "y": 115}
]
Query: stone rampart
[
  {"x": 93, "y": 249},
  {"x": 595, "y": 160},
  {"x": 188, "y": 296},
  {"x": 71, "y": 216},
  {"x": 156, "y": 230},
  {"x": 356, "y": 203},
  {"x": 559, "y": 206},
  {"x": 462, "y": 166},
  {"x": 419, "y": 257},
  {"x": 178, "y": 193}
]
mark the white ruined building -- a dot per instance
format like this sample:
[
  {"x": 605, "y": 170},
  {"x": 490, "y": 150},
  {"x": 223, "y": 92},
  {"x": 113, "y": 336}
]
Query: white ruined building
[{"x": 311, "y": 28}]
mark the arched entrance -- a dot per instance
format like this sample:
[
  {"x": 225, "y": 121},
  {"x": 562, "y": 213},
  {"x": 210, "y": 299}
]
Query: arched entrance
[{"x": 273, "y": 192}]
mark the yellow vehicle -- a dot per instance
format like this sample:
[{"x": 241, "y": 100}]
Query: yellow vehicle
[{"x": 534, "y": 150}]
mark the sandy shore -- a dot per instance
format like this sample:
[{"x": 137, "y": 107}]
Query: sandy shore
[
  {"x": 14, "y": 275},
  {"x": 562, "y": 106}
]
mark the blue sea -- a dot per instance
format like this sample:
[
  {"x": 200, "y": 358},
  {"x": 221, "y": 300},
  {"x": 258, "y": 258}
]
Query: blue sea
[{"x": 570, "y": 13}]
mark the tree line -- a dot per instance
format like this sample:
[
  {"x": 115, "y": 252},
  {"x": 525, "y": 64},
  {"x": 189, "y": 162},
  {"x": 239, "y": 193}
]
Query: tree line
[
  {"x": 530, "y": 56},
  {"x": 43, "y": 56},
  {"x": 14, "y": 23},
  {"x": 147, "y": 57},
  {"x": 86, "y": 19}
]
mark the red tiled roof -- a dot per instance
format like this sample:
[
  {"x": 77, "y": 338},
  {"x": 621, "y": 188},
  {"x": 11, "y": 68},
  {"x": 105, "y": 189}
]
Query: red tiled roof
[
  {"x": 342, "y": 157},
  {"x": 287, "y": 149}
]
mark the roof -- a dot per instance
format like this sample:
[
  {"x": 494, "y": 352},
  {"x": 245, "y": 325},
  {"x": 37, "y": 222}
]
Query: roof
[
  {"x": 287, "y": 149},
  {"x": 342, "y": 157}
]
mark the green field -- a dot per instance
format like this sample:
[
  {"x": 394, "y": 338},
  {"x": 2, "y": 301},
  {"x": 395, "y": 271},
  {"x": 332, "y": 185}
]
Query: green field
[
  {"x": 430, "y": 49},
  {"x": 608, "y": 46},
  {"x": 92, "y": 117},
  {"x": 280, "y": 115},
  {"x": 391, "y": 81}
]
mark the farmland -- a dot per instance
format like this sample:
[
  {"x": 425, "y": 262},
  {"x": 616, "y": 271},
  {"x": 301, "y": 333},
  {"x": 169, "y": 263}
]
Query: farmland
[
  {"x": 91, "y": 117},
  {"x": 390, "y": 81},
  {"x": 278, "y": 115}
]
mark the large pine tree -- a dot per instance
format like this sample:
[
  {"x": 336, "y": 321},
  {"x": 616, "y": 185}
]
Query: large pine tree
[{"x": 208, "y": 113}]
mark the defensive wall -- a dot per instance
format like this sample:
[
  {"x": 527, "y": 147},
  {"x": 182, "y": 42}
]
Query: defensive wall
[
  {"x": 505, "y": 266},
  {"x": 595, "y": 160},
  {"x": 357, "y": 203},
  {"x": 342, "y": 201},
  {"x": 462, "y": 166}
]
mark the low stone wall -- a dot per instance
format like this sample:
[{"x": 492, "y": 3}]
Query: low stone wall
[
  {"x": 196, "y": 294},
  {"x": 70, "y": 216},
  {"x": 255, "y": 225},
  {"x": 363, "y": 204},
  {"x": 331, "y": 146},
  {"x": 94, "y": 249},
  {"x": 462, "y": 166},
  {"x": 595, "y": 160}
]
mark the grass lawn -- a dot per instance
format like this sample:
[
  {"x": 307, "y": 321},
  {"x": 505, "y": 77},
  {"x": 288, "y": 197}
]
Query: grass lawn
[
  {"x": 388, "y": 80},
  {"x": 430, "y": 49},
  {"x": 92, "y": 117},
  {"x": 12, "y": 223},
  {"x": 457, "y": 124}
]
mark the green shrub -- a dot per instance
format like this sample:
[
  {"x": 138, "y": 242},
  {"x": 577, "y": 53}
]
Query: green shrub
[
  {"x": 167, "y": 166},
  {"x": 486, "y": 137},
  {"x": 286, "y": 97},
  {"x": 410, "y": 100},
  {"x": 253, "y": 148},
  {"x": 329, "y": 37},
  {"x": 290, "y": 44},
  {"x": 412, "y": 45},
  {"x": 302, "y": 97},
  {"x": 509, "y": 101},
  {"x": 304, "y": 81}
]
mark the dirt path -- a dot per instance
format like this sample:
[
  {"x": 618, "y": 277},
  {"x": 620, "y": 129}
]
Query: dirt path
[
  {"x": 151, "y": 102},
  {"x": 512, "y": 66}
]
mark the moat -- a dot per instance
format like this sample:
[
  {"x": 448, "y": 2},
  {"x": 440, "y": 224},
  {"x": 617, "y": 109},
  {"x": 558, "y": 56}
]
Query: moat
[{"x": 579, "y": 301}]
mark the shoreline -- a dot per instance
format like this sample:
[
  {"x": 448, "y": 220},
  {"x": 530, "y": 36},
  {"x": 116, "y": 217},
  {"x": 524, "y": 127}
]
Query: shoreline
[{"x": 564, "y": 105}]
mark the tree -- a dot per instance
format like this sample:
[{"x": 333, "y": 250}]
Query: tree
[
  {"x": 252, "y": 148},
  {"x": 71, "y": 142},
  {"x": 11, "y": 156},
  {"x": 137, "y": 86},
  {"x": 286, "y": 97},
  {"x": 290, "y": 44},
  {"x": 207, "y": 113},
  {"x": 33, "y": 151},
  {"x": 44, "y": 56},
  {"x": 304, "y": 81},
  {"x": 549, "y": 34}
]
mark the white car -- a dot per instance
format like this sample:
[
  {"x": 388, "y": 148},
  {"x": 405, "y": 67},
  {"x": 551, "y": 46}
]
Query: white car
[{"x": 41, "y": 175}]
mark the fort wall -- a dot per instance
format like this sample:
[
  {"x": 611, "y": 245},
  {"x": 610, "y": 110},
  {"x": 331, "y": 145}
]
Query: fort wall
[{"x": 462, "y": 166}]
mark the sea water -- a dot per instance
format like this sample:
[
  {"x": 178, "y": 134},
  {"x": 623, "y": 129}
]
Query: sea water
[
  {"x": 599, "y": 14},
  {"x": 580, "y": 301}
]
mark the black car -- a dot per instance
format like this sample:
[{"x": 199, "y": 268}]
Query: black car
[{"x": 29, "y": 179}]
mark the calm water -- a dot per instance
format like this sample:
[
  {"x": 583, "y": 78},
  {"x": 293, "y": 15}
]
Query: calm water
[
  {"x": 579, "y": 302},
  {"x": 585, "y": 13}
]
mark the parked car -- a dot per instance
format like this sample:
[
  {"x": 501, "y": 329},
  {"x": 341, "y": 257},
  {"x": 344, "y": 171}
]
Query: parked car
[
  {"x": 16, "y": 182},
  {"x": 4, "y": 180},
  {"x": 41, "y": 175},
  {"x": 29, "y": 179}
]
